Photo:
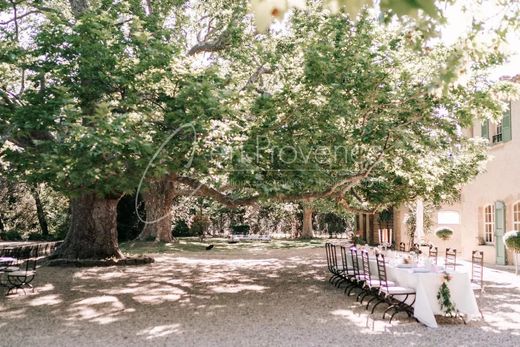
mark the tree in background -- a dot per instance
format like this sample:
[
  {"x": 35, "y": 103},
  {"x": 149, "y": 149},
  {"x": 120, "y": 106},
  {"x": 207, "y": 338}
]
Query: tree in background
[
  {"x": 102, "y": 88},
  {"x": 355, "y": 115},
  {"x": 92, "y": 89}
]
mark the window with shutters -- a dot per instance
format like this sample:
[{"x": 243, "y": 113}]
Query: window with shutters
[
  {"x": 516, "y": 216},
  {"x": 489, "y": 223},
  {"x": 498, "y": 133}
]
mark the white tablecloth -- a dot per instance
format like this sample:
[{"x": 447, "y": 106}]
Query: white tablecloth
[{"x": 426, "y": 285}]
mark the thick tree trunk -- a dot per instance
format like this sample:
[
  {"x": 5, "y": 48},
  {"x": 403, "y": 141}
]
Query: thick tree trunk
[
  {"x": 158, "y": 201},
  {"x": 307, "y": 231},
  {"x": 93, "y": 229},
  {"x": 42, "y": 219}
]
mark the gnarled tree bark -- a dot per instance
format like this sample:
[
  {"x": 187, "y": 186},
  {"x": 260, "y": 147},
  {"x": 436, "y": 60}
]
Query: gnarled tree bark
[
  {"x": 158, "y": 201},
  {"x": 93, "y": 229}
]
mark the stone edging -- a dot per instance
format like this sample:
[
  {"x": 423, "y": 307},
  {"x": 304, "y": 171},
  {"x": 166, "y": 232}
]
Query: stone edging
[{"x": 100, "y": 262}]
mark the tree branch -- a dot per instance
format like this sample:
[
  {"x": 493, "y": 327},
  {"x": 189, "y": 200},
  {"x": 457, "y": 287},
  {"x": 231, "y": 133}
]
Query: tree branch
[
  {"x": 256, "y": 75},
  {"x": 215, "y": 45},
  {"x": 201, "y": 189}
]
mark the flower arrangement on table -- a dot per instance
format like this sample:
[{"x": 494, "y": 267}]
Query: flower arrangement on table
[{"x": 444, "y": 296}]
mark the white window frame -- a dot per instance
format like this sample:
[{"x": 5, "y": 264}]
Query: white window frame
[
  {"x": 489, "y": 223},
  {"x": 516, "y": 216},
  {"x": 448, "y": 217}
]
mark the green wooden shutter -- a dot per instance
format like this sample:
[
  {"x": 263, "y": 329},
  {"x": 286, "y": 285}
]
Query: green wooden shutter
[
  {"x": 506, "y": 125},
  {"x": 500, "y": 226},
  {"x": 485, "y": 129}
]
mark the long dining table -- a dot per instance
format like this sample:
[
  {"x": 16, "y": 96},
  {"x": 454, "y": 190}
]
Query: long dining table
[{"x": 426, "y": 282}]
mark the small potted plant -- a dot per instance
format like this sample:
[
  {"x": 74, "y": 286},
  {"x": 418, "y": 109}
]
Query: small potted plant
[
  {"x": 512, "y": 242},
  {"x": 444, "y": 234}
]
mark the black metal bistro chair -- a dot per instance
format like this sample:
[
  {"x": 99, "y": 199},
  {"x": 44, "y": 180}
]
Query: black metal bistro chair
[
  {"x": 372, "y": 283},
  {"x": 332, "y": 263},
  {"x": 358, "y": 280},
  {"x": 395, "y": 296},
  {"x": 347, "y": 269},
  {"x": 22, "y": 278}
]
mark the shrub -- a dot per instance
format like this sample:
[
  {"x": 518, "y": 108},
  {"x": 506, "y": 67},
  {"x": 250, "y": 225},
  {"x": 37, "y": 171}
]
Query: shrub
[
  {"x": 12, "y": 235},
  {"x": 240, "y": 229},
  {"x": 512, "y": 240},
  {"x": 37, "y": 237},
  {"x": 444, "y": 234},
  {"x": 181, "y": 229},
  {"x": 199, "y": 224}
]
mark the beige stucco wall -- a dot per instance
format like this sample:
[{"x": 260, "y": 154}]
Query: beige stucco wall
[{"x": 500, "y": 182}]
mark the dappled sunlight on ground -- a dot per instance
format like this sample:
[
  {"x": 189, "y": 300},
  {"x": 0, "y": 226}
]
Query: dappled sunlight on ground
[
  {"x": 276, "y": 297},
  {"x": 160, "y": 331},
  {"x": 52, "y": 299}
]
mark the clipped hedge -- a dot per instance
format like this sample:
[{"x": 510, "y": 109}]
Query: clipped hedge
[
  {"x": 444, "y": 234},
  {"x": 512, "y": 240}
]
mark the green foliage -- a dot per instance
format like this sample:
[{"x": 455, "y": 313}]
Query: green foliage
[
  {"x": 240, "y": 229},
  {"x": 444, "y": 297},
  {"x": 348, "y": 115},
  {"x": 444, "y": 234},
  {"x": 37, "y": 237},
  {"x": 181, "y": 229},
  {"x": 199, "y": 224},
  {"x": 512, "y": 240},
  {"x": 102, "y": 95},
  {"x": 12, "y": 235},
  {"x": 333, "y": 223},
  {"x": 361, "y": 106},
  {"x": 18, "y": 209}
]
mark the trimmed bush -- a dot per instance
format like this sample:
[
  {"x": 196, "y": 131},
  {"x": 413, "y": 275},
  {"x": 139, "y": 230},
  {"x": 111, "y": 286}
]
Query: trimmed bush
[
  {"x": 444, "y": 234},
  {"x": 512, "y": 240}
]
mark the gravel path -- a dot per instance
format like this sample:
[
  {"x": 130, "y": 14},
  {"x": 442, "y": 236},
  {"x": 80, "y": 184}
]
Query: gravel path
[{"x": 264, "y": 298}]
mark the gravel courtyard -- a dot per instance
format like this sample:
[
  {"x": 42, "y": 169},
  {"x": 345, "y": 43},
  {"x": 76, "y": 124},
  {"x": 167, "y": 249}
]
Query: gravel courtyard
[{"x": 277, "y": 297}]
